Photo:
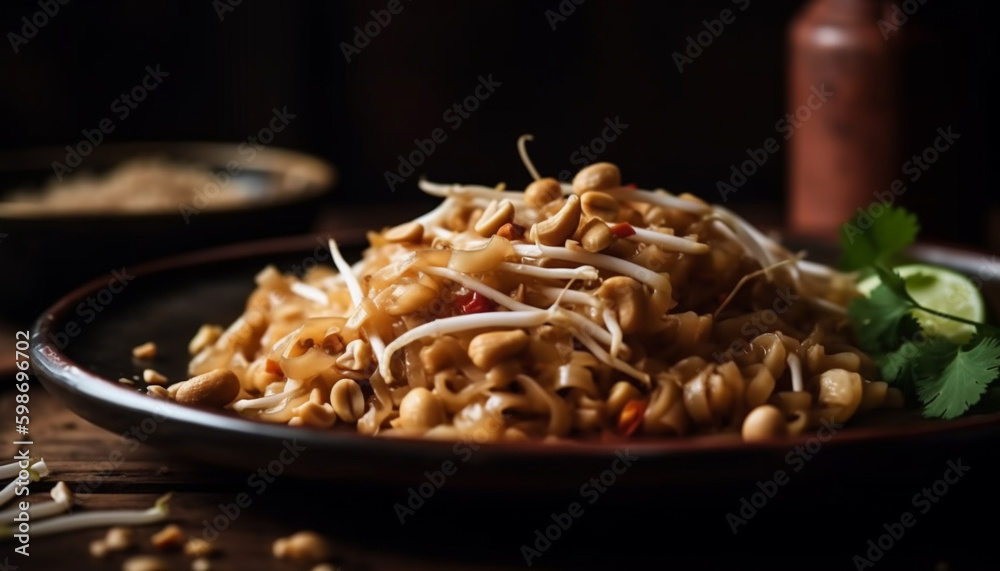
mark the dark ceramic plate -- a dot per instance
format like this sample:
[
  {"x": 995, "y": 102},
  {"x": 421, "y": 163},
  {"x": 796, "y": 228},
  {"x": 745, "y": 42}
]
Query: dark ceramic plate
[
  {"x": 54, "y": 249},
  {"x": 82, "y": 345}
]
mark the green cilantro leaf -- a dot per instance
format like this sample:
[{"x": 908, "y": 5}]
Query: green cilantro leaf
[
  {"x": 962, "y": 382},
  {"x": 895, "y": 282},
  {"x": 868, "y": 240},
  {"x": 896, "y": 366},
  {"x": 948, "y": 379},
  {"x": 916, "y": 358},
  {"x": 882, "y": 320}
]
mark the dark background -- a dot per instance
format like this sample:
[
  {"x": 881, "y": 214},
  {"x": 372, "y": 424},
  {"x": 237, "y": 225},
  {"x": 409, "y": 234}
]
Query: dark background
[{"x": 606, "y": 60}]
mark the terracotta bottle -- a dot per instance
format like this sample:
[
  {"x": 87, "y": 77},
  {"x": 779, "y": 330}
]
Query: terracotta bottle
[{"x": 841, "y": 122}]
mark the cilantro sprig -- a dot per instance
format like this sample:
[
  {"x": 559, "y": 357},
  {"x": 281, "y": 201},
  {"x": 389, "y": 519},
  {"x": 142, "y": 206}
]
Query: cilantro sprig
[
  {"x": 869, "y": 240},
  {"x": 947, "y": 378}
]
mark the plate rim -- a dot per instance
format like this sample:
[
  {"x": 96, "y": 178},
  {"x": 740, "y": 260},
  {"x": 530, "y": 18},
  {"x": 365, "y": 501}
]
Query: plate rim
[
  {"x": 53, "y": 366},
  {"x": 321, "y": 175}
]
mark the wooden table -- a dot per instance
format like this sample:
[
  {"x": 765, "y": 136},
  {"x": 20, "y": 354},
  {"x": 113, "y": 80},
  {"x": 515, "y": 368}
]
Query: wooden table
[
  {"x": 460, "y": 530},
  {"x": 81, "y": 454}
]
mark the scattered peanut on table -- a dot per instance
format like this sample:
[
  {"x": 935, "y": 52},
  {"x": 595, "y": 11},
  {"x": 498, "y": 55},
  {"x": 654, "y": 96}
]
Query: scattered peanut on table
[
  {"x": 154, "y": 377},
  {"x": 145, "y": 351},
  {"x": 302, "y": 547}
]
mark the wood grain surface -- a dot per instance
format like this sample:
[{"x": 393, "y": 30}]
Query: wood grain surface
[
  {"x": 81, "y": 455},
  {"x": 464, "y": 531},
  {"x": 458, "y": 532}
]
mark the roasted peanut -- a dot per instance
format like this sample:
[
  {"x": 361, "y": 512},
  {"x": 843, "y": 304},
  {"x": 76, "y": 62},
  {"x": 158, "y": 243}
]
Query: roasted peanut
[
  {"x": 357, "y": 356},
  {"x": 302, "y": 547},
  {"x": 488, "y": 349},
  {"x": 600, "y": 205},
  {"x": 598, "y": 176},
  {"x": 145, "y": 563},
  {"x": 442, "y": 353},
  {"x": 496, "y": 215},
  {"x": 205, "y": 337},
  {"x": 542, "y": 191},
  {"x": 554, "y": 231},
  {"x": 170, "y": 537},
  {"x": 158, "y": 392},
  {"x": 153, "y": 377},
  {"x": 840, "y": 393},
  {"x": 621, "y": 393},
  {"x": 98, "y": 549},
  {"x": 624, "y": 249},
  {"x": 595, "y": 235},
  {"x": 625, "y": 296},
  {"x": 764, "y": 423},
  {"x": 347, "y": 400},
  {"x": 421, "y": 409},
  {"x": 214, "y": 389},
  {"x": 198, "y": 547},
  {"x": 314, "y": 414},
  {"x": 119, "y": 538},
  {"x": 144, "y": 351}
]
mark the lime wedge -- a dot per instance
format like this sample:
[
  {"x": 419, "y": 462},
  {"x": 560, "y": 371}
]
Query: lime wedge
[{"x": 942, "y": 290}]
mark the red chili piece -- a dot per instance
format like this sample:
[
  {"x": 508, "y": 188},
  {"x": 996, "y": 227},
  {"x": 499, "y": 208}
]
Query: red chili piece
[{"x": 622, "y": 230}]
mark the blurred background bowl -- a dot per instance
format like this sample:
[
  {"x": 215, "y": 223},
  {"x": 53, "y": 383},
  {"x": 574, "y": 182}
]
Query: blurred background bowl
[{"x": 47, "y": 248}]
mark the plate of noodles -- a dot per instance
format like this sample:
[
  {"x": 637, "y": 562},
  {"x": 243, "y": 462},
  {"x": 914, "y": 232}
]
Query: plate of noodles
[
  {"x": 128, "y": 202},
  {"x": 522, "y": 333}
]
